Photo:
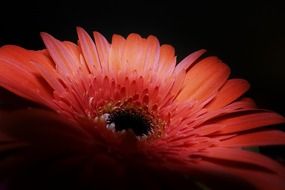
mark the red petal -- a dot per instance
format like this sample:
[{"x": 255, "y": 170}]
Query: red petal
[
  {"x": 152, "y": 54},
  {"x": 238, "y": 155},
  {"x": 204, "y": 79},
  {"x": 250, "y": 121},
  {"x": 167, "y": 61},
  {"x": 19, "y": 75},
  {"x": 272, "y": 137},
  {"x": 116, "y": 54},
  {"x": 133, "y": 52},
  {"x": 232, "y": 90},
  {"x": 208, "y": 129}
]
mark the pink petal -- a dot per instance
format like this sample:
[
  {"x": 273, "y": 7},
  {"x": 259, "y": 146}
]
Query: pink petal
[
  {"x": 66, "y": 63},
  {"x": 103, "y": 49},
  {"x": 89, "y": 50}
]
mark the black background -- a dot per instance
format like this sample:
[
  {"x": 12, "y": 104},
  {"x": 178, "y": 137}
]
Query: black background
[{"x": 248, "y": 36}]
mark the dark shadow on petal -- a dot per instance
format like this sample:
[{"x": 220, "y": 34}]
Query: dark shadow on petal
[
  {"x": 39, "y": 149},
  {"x": 10, "y": 101}
]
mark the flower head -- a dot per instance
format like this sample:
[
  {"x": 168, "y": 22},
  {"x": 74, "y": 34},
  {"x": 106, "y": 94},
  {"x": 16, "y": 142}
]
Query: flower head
[{"x": 136, "y": 107}]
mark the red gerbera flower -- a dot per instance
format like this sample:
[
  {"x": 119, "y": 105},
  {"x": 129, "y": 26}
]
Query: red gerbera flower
[{"x": 134, "y": 109}]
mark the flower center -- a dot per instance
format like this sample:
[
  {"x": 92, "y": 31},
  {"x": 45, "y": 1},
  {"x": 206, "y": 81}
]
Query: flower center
[
  {"x": 120, "y": 120},
  {"x": 130, "y": 117}
]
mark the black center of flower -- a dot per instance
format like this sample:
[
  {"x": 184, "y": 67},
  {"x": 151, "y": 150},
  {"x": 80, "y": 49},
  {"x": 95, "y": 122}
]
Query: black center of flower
[{"x": 130, "y": 119}]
